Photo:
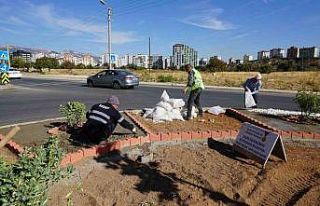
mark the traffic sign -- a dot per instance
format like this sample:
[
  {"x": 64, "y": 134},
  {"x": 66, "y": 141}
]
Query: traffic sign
[
  {"x": 258, "y": 143},
  {"x": 4, "y": 61},
  {"x": 5, "y": 78}
]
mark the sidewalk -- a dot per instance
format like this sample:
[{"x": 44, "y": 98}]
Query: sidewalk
[{"x": 84, "y": 77}]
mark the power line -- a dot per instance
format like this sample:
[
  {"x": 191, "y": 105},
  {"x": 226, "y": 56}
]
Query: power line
[{"x": 140, "y": 8}]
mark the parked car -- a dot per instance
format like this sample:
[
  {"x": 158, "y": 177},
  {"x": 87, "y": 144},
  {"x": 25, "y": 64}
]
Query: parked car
[
  {"x": 113, "y": 78},
  {"x": 14, "y": 74}
]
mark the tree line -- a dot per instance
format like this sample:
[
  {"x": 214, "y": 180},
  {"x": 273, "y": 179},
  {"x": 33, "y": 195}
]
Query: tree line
[
  {"x": 214, "y": 65},
  {"x": 264, "y": 65}
]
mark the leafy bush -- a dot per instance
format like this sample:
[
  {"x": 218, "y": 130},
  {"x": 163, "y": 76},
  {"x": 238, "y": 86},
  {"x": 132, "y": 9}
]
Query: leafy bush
[
  {"x": 166, "y": 78},
  {"x": 26, "y": 181},
  {"x": 309, "y": 102},
  {"x": 75, "y": 112}
]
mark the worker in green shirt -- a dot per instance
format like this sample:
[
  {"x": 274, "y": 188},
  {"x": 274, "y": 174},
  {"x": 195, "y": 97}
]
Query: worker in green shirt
[{"x": 195, "y": 87}]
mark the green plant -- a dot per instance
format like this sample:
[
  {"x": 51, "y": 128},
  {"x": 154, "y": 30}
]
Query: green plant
[
  {"x": 309, "y": 102},
  {"x": 26, "y": 181},
  {"x": 75, "y": 112}
]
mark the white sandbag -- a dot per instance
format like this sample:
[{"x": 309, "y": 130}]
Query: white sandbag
[
  {"x": 165, "y": 105},
  {"x": 160, "y": 114},
  {"x": 176, "y": 103},
  {"x": 249, "y": 101},
  {"x": 175, "y": 114},
  {"x": 164, "y": 96},
  {"x": 216, "y": 110},
  {"x": 148, "y": 113},
  {"x": 193, "y": 112}
]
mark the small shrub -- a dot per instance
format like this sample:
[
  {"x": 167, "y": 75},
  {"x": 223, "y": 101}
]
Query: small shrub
[
  {"x": 309, "y": 102},
  {"x": 75, "y": 112},
  {"x": 26, "y": 181},
  {"x": 166, "y": 78}
]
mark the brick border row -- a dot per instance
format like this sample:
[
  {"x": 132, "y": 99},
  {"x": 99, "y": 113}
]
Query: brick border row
[
  {"x": 151, "y": 137},
  {"x": 246, "y": 118},
  {"x": 13, "y": 146}
]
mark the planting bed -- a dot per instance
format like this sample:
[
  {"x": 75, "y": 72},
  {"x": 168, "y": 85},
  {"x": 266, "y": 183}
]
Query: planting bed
[
  {"x": 36, "y": 134},
  {"x": 205, "y": 123},
  {"x": 280, "y": 123},
  {"x": 193, "y": 174}
]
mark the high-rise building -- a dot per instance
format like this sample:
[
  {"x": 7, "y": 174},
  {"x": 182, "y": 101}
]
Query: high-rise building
[
  {"x": 88, "y": 59},
  {"x": 36, "y": 56},
  {"x": 293, "y": 52},
  {"x": 105, "y": 59},
  {"x": 167, "y": 62},
  {"x": 247, "y": 58},
  {"x": 277, "y": 53},
  {"x": 141, "y": 60},
  {"x": 309, "y": 52},
  {"x": 157, "y": 61},
  {"x": 263, "y": 55},
  {"x": 26, "y": 56},
  {"x": 183, "y": 55}
]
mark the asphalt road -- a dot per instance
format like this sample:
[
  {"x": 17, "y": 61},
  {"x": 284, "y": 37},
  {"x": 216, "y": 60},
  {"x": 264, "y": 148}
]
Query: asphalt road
[{"x": 35, "y": 99}]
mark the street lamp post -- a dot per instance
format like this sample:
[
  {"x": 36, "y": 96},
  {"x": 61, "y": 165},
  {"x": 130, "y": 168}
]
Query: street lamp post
[{"x": 109, "y": 12}]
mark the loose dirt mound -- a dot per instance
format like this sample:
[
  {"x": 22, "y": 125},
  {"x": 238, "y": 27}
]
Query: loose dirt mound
[
  {"x": 194, "y": 174},
  {"x": 207, "y": 122}
]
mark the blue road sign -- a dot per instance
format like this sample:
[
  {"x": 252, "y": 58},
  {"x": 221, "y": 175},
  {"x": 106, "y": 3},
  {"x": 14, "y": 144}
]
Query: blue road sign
[{"x": 4, "y": 61}]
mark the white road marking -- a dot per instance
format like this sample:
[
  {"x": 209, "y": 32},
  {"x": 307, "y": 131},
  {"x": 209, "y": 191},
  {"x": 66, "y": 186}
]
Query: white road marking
[{"x": 46, "y": 84}]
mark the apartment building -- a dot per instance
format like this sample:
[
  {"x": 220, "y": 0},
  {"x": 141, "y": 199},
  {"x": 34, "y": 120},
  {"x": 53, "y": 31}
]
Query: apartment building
[{"x": 183, "y": 55}]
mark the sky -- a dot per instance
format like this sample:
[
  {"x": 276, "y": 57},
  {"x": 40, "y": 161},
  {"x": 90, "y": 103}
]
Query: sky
[{"x": 228, "y": 28}]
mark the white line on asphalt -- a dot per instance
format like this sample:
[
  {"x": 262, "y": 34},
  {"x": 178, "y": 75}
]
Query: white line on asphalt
[
  {"x": 31, "y": 122},
  {"x": 48, "y": 84}
]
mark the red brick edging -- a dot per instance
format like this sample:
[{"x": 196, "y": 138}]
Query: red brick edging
[
  {"x": 12, "y": 146},
  {"x": 246, "y": 118},
  {"x": 74, "y": 157}
]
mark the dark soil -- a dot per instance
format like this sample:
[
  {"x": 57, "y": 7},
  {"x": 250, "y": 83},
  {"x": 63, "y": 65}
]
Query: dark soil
[{"x": 205, "y": 123}]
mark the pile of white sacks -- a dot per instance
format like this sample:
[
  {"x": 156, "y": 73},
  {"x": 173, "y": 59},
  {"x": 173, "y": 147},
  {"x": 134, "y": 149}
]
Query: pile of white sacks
[{"x": 167, "y": 109}]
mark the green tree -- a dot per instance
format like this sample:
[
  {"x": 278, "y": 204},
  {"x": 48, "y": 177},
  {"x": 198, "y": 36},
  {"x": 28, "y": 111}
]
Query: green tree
[
  {"x": 18, "y": 63},
  {"x": 67, "y": 65},
  {"x": 216, "y": 65},
  {"x": 46, "y": 62},
  {"x": 80, "y": 66}
]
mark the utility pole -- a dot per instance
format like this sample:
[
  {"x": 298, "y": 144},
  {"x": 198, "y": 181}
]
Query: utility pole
[
  {"x": 150, "y": 63},
  {"x": 9, "y": 64},
  {"x": 109, "y": 36}
]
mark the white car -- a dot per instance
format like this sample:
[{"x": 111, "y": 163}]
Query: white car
[{"x": 14, "y": 74}]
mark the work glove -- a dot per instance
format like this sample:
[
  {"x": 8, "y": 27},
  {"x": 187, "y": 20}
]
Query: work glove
[{"x": 134, "y": 130}]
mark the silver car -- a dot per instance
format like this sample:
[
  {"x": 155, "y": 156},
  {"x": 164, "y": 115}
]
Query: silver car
[{"x": 113, "y": 78}]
